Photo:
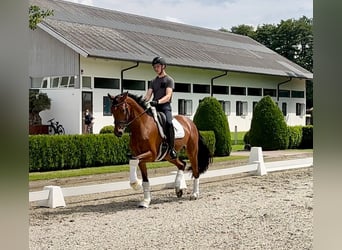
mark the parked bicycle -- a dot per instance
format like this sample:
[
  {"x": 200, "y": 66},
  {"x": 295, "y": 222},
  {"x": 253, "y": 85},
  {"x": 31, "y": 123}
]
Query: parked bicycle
[{"x": 55, "y": 127}]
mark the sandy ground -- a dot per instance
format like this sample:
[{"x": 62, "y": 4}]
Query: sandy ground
[{"x": 274, "y": 211}]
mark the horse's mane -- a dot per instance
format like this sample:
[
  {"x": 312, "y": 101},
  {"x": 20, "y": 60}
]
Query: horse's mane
[{"x": 140, "y": 100}]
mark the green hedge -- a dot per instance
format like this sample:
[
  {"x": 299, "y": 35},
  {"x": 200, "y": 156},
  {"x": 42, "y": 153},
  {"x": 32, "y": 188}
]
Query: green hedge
[
  {"x": 47, "y": 152},
  {"x": 299, "y": 137},
  {"x": 57, "y": 152}
]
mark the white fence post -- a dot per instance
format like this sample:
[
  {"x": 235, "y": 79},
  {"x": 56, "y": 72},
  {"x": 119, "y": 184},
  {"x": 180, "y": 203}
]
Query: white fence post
[
  {"x": 55, "y": 199},
  {"x": 257, "y": 157}
]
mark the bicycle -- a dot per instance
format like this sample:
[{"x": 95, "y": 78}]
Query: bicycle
[{"x": 55, "y": 127}]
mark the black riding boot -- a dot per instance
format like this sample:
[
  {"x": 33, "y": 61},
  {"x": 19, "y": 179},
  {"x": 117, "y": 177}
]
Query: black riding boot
[{"x": 171, "y": 140}]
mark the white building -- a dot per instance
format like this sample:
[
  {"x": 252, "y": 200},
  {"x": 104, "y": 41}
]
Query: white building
[{"x": 81, "y": 53}]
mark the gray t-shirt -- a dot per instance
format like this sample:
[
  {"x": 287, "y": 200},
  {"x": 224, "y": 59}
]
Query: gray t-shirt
[{"x": 159, "y": 85}]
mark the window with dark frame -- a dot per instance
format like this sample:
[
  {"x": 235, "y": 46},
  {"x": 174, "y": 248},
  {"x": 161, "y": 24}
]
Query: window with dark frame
[
  {"x": 184, "y": 107},
  {"x": 297, "y": 94},
  {"x": 133, "y": 84},
  {"x": 106, "y": 83},
  {"x": 241, "y": 108},
  {"x": 284, "y": 93},
  {"x": 107, "y": 104},
  {"x": 284, "y": 108},
  {"x": 225, "y": 106},
  {"x": 217, "y": 89},
  {"x": 237, "y": 90},
  {"x": 270, "y": 92},
  {"x": 201, "y": 88},
  {"x": 254, "y": 91},
  {"x": 182, "y": 87}
]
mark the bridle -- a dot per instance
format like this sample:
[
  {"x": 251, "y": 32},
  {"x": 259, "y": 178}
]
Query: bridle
[{"x": 125, "y": 123}]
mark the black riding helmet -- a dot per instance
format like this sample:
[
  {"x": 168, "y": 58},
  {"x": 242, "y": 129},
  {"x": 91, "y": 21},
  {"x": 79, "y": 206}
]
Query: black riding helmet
[{"x": 159, "y": 60}]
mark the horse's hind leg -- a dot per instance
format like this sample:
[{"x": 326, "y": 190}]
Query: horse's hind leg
[{"x": 180, "y": 183}]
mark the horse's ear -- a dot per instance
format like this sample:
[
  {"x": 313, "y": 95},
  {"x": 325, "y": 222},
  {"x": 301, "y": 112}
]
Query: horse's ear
[
  {"x": 110, "y": 96},
  {"x": 125, "y": 94}
]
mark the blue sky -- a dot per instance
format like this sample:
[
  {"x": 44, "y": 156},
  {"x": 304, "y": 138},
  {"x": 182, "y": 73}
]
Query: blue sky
[{"x": 212, "y": 14}]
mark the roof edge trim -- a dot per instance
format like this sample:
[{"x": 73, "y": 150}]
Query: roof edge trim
[{"x": 63, "y": 40}]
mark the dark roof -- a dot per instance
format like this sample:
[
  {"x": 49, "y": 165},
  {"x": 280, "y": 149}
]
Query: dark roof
[{"x": 99, "y": 32}]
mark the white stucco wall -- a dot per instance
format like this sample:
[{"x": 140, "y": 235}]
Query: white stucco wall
[{"x": 108, "y": 68}]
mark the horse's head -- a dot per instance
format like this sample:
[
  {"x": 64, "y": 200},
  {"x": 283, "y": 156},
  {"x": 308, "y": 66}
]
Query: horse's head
[{"x": 121, "y": 113}]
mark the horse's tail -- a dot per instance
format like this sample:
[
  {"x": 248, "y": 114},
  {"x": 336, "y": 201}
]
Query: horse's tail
[{"x": 204, "y": 158}]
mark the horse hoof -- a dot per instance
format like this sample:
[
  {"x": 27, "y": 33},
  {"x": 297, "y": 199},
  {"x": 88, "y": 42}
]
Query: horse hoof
[
  {"x": 179, "y": 193},
  {"x": 136, "y": 185},
  {"x": 144, "y": 204},
  {"x": 194, "y": 197}
]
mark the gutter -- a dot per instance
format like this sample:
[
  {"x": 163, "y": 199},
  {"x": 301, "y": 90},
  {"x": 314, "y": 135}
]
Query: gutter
[
  {"x": 212, "y": 82},
  {"x": 288, "y": 80},
  {"x": 123, "y": 70}
]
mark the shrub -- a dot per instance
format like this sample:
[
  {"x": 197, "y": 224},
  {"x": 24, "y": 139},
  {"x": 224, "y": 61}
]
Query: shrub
[
  {"x": 268, "y": 127},
  {"x": 210, "y": 116},
  {"x": 295, "y": 136},
  {"x": 109, "y": 129},
  {"x": 56, "y": 152}
]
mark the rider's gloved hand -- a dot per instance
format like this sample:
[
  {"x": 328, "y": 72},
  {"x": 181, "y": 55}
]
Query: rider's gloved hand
[{"x": 154, "y": 103}]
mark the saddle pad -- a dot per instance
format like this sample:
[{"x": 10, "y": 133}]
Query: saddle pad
[{"x": 179, "y": 130}]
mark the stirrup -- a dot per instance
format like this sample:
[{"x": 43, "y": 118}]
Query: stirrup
[{"x": 173, "y": 153}]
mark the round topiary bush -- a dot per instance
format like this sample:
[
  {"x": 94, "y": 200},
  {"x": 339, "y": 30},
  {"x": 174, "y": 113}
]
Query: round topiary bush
[
  {"x": 210, "y": 116},
  {"x": 268, "y": 127},
  {"x": 109, "y": 129}
]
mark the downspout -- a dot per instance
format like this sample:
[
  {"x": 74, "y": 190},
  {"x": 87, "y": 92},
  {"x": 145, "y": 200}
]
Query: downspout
[
  {"x": 122, "y": 71},
  {"x": 212, "y": 82},
  {"x": 288, "y": 80}
]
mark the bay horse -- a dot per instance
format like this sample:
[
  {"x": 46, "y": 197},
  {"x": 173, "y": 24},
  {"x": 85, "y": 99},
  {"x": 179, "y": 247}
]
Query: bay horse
[{"x": 132, "y": 111}]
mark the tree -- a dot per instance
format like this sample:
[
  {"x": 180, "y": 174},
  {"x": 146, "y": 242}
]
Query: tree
[
  {"x": 268, "y": 126},
  {"x": 290, "y": 38},
  {"x": 36, "y": 15},
  {"x": 37, "y": 103},
  {"x": 243, "y": 29},
  {"x": 209, "y": 116}
]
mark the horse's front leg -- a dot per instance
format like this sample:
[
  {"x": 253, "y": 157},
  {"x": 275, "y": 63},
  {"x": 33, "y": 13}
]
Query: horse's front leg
[
  {"x": 134, "y": 182},
  {"x": 146, "y": 186}
]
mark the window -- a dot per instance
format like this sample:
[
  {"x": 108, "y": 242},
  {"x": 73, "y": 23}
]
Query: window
[
  {"x": 220, "y": 89},
  {"x": 284, "y": 108},
  {"x": 133, "y": 84},
  {"x": 72, "y": 82},
  {"x": 86, "y": 81},
  {"x": 284, "y": 93},
  {"x": 182, "y": 87},
  {"x": 300, "y": 109},
  {"x": 64, "y": 81},
  {"x": 254, "y": 91},
  {"x": 270, "y": 92},
  {"x": 201, "y": 88},
  {"x": 106, "y": 83},
  {"x": 55, "y": 82},
  {"x": 241, "y": 108},
  {"x": 238, "y": 90},
  {"x": 184, "y": 107},
  {"x": 297, "y": 94},
  {"x": 225, "y": 106},
  {"x": 107, "y": 104}
]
